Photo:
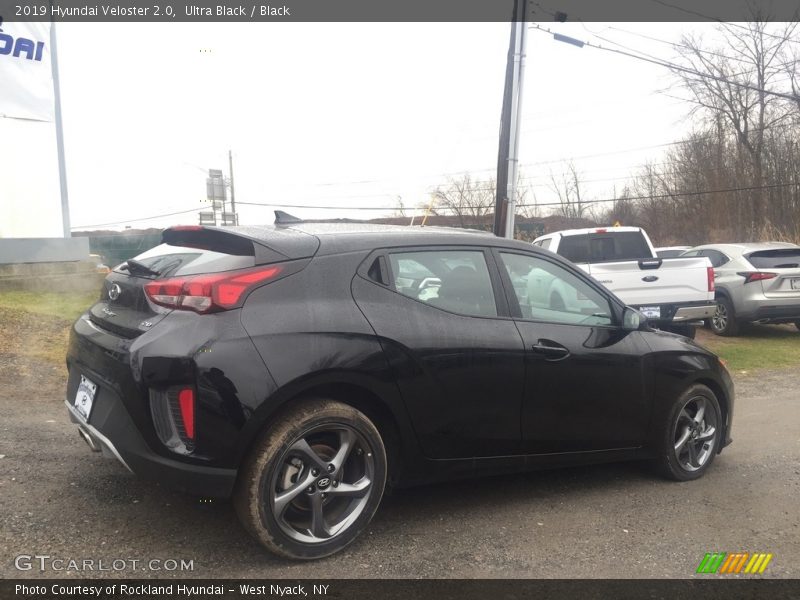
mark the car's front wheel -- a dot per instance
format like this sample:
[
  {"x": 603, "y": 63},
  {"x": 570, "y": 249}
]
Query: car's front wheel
[
  {"x": 691, "y": 435},
  {"x": 313, "y": 481}
]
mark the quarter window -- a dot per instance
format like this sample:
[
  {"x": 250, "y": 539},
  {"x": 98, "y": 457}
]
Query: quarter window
[
  {"x": 548, "y": 292},
  {"x": 454, "y": 280}
]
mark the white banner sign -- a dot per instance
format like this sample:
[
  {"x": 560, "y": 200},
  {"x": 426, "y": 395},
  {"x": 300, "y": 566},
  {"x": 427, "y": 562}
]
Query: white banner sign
[{"x": 26, "y": 76}]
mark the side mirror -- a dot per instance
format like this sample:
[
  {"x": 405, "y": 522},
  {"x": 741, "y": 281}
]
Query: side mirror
[{"x": 632, "y": 319}]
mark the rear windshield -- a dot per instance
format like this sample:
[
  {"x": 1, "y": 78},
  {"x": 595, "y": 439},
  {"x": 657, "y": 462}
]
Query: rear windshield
[
  {"x": 171, "y": 260},
  {"x": 786, "y": 258},
  {"x": 604, "y": 247}
]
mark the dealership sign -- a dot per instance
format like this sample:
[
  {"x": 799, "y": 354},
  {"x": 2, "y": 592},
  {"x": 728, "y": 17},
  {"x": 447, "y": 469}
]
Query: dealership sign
[{"x": 26, "y": 73}]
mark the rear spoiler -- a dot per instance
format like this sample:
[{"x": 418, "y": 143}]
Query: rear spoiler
[{"x": 229, "y": 242}]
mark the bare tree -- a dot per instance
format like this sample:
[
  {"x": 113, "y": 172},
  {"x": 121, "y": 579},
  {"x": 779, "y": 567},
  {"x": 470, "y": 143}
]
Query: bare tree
[
  {"x": 732, "y": 88},
  {"x": 469, "y": 199},
  {"x": 568, "y": 189}
]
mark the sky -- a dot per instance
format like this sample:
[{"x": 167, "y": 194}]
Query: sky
[{"x": 346, "y": 115}]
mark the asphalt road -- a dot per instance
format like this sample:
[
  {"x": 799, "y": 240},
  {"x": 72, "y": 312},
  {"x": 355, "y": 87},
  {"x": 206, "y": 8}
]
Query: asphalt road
[{"x": 60, "y": 500}]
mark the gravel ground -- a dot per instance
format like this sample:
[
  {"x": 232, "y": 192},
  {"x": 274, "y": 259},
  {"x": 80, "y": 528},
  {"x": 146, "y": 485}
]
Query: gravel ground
[{"x": 58, "y": 499}]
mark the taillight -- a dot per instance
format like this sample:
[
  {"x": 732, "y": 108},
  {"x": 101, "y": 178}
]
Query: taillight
[
  {"x": 173, "y": 410},
  {"x": 186, "y": 405},
  {"x": 710, "y": 275},
  {"x": 751, "y": 276},
  {"x": 209, "y": 293}
]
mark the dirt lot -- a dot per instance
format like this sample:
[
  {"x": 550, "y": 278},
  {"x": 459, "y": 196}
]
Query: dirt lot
[{"x": 58, "y": 499}]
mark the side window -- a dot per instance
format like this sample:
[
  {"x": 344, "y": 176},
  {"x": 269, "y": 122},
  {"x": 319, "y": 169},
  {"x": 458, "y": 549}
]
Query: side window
[
  {"x": 716, "y": 257},
  {"x": 454, "y": 280},
  {"x": 546, "y": 243},
  {"x": 548, "y": 292},
  {"x": 691, "y": 253}
]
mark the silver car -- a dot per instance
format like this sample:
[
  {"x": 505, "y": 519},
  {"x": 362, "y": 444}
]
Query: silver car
[{"x": 755, "y": 282}]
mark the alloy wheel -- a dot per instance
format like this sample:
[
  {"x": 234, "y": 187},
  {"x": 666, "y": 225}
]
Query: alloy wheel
[
  {"x": 720, "y": 319},
  {"x": 323, "y": 483},
  {"x": 695, "y": 434}
]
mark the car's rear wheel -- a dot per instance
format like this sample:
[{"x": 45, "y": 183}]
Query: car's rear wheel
[
  {"x": 313, "y": 481},
  {"x": 723, "y": 322},
  {"x": 691, "y": 435}
]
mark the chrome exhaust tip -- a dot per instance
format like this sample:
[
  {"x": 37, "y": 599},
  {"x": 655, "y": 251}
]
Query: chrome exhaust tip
[{"x": 89, "y": 441}]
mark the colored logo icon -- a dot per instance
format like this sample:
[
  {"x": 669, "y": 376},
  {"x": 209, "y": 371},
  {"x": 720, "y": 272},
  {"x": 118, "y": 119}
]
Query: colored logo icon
[{"x": 724, "y": 563}]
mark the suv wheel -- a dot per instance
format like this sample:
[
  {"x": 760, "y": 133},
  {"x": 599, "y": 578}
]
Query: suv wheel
[
  {"x": 313, "y": 481},
  {"x": 724, "y": 320},
  {"x": 691, "y": 435}
]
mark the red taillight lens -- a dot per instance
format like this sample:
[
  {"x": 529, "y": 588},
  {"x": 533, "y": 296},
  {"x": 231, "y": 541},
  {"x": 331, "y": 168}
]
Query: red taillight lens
[
  {"x": 751, "y": 276},
  {"x": 186, "y": 404},
  {"x": 209, "y": 293},
  {"x": 710, "y": 274}
]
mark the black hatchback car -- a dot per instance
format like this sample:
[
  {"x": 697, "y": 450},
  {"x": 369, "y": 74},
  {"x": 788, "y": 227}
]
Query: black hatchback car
[{"x": 303, "y": 366}]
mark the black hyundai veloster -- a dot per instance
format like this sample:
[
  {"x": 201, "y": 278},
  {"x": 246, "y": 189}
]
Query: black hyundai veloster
[{"x": 302, "y": 367}]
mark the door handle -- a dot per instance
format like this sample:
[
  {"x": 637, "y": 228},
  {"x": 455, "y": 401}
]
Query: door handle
[{"x": 550, "y": 349}]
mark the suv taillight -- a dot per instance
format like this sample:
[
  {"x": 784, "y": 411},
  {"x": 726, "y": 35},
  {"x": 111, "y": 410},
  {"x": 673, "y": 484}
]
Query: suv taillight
[
  {"x": 710, "y": 275},
  {"x": 211, "y": 292},
  {"x": 751, "y": 276}
]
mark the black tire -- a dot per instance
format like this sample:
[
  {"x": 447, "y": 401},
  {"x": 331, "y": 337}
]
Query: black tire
[
  {"x": 280, "y": 467},
  {"x": 724, "y": 321},
  {"x": 675, "y": 461}
]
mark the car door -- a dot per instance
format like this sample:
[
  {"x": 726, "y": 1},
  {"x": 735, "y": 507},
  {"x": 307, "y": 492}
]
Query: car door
[
  {"x": 456, "y": 354},
  {"x": 585, "y": 386}
]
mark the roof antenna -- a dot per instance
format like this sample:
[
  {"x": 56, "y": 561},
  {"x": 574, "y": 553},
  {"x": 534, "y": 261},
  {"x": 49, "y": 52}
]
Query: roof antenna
[{"x": 284, "y": 218}]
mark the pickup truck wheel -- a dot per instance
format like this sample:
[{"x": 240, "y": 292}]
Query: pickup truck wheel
[
  {"x": 724, "y": 320},
  {"x": 313, "y": 480},
  {"x": 691, "y": 435}
]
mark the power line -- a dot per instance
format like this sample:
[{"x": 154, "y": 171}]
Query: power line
[
  {"x": 525, "y": 204},
  {"x": 181, "y": 212},
  {"x": 595, "y": 201},
  {"x": 675, "y": 67},
  {"x": 704, "y": 16}
]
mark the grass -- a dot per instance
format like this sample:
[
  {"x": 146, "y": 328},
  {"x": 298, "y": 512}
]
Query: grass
[
  {"x": 37, "y": 324},
  {"x": 756, "y": 347},
  {"x": 66, "y": 306}
]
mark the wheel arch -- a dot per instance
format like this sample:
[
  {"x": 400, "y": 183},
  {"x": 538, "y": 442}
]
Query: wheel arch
[{"x": 355, "y": 392}]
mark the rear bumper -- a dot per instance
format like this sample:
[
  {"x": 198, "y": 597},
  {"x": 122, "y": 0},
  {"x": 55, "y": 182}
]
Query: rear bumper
[
  {"x": 694, "y": 313},
  {"x": 684, "y": 313},
  {"x": 112, "y": 432},
  {"x": 774, "y": 313}
]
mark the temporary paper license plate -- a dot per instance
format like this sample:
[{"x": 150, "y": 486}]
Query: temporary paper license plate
[
  {"x": 84, "y": 398},
  {"x": 651, "y": 312}
]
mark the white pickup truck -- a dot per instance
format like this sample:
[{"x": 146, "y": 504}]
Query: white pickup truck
[{"x": 671, "y": 293}]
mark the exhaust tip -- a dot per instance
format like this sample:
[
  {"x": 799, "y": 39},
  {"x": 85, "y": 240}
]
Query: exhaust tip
[{"x": 89, "y": 441}]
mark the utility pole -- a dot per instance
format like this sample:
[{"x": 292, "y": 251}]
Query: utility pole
[
  {"x": 233, "y": 197},
  {"x": 62, "y": 164},
  {"x": 508, "y": 154}
]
